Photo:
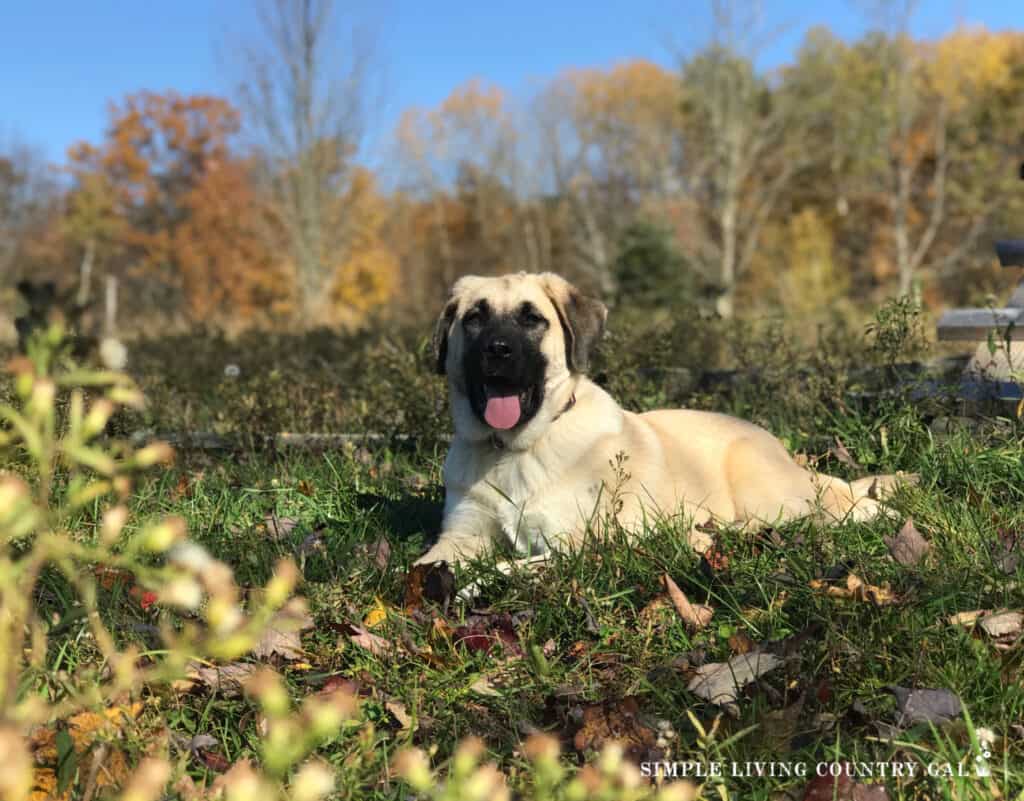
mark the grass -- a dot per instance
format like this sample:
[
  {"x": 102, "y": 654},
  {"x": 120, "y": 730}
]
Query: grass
[
  {"x": 587, "y": 607},
  {"x": 586, "y": 629}
]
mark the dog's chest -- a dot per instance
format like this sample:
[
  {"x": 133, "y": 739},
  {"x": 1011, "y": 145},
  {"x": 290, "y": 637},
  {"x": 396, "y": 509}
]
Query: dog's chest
[{"x": 531, "y": 496}]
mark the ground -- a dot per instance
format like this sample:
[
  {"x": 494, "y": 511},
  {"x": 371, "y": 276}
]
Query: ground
[{"x": 592, "y": 647}]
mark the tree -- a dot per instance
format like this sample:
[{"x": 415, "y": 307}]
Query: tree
[
  {"x": 165, "y": 205},
  {"x": 27, "y": 197},
  {"x": 305, "y": 106},
  {"x": 461, "y": 161},
  {"x": 741, "y": 148},
  {"x": 609, "y": 140}
]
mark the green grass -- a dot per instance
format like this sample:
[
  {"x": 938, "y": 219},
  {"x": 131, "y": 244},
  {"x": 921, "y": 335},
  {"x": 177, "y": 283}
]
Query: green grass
[
  {"x": 587, "y": 604},
  {"x": 580, "y": 621}
]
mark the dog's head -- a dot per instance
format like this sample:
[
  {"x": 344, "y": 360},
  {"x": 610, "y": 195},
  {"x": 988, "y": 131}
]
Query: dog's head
[{"x": 507, "y": 343}]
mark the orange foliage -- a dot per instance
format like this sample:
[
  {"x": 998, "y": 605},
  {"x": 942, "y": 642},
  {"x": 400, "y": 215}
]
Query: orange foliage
[
  {"x": 368, "y": 276},
  {"x": 223, "y": 248},
  {"x": 165, "y": 193}
]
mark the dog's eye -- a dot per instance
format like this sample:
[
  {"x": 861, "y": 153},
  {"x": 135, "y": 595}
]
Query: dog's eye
[
  {"x": 472, "y": 318},
  {"x": 529, "y": 318}
]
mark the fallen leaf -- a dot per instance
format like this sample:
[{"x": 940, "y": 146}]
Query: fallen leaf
[
  {"x": 714, "y": 559},
  {"x": 842, "y": 788},
  {"x": 908, "y": 547},
  {"x": 378, "y": 552},
  {"x": 1004, "y": 628},
  {"x": 80, "y": 733},
  {"x": 655, "y": 610},
  {"x": 695, "y": 616},
  {"x": 740, "y": 643},
  {"x": 278, "y": 528},
  {"x": 109, "y": 577},
  {"x": 377, "y": 614},
  {"x": 400, "y": 713},
  {"x": 925, "y": 705},
  {"x": 305, "y": 488},
  {"x": 843, "y": 456},
  {"x": 431, "y": 582},
  {"x": 484, "y": 633},
  {"x": 721, "y": 682},
  {"x": 214, "y": 760},
  {"x": 858, "y": 590},
  {"x": 282, "y": 636},
  {"x": 620, "y": 722},
  {"x": 227, "y": 680},
  {"x": 375, "y": 644},
  {"x": 336, "y": 683},
  {"x": 967, "y": 618}
]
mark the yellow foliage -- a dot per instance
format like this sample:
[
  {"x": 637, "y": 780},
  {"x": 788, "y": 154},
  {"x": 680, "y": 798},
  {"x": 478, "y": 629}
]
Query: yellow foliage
[
  {"x": 812, "y": 280},
  {"x": 86, "y": 729},
  {"x": 367, "y": 277},
  {"x": 366, "y": 280},
  {"x": 970, "y": 60}
]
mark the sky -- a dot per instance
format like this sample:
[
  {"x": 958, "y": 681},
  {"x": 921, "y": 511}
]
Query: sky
[{"x": 61, "y": 62}]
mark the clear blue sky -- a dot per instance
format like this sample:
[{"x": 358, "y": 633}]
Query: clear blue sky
[{"x": 61, "y": 61}]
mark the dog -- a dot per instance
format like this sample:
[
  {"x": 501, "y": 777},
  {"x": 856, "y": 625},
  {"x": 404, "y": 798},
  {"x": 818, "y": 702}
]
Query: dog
[{"x": 537, "y": 451}]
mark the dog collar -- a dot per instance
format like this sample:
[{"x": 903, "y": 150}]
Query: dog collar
[{"x": 496, "y": 441}]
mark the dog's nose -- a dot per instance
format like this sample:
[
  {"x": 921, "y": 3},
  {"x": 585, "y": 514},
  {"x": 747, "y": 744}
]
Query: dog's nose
[{"x": 499, "y": 348}]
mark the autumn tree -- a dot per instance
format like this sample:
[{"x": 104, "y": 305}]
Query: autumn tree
[
  {"x": 741, "y": 143},
  {"x": 462, "y": 164},
  {"x": 164, "y": 204},
  {"x": 610, "y": 143},
  {"x": 304, "y": 98}
]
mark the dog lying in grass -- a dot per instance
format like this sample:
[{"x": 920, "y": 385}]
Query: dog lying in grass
[{"x": 538, "y": 447}]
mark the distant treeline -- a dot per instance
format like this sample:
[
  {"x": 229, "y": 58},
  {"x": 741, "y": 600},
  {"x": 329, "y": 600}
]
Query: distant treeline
[{"x": 862, "y": 170}]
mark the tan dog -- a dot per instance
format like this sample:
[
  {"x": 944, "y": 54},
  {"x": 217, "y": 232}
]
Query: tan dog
[{"x": 535, "y": 447}]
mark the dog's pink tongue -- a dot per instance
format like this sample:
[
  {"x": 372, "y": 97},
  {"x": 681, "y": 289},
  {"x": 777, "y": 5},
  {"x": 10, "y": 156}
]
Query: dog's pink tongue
[{"x": 502, "y": 411}]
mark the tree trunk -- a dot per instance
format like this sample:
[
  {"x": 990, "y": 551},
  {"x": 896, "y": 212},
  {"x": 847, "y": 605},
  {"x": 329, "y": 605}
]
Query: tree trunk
[
  {"x": 85, "y": 273},
  {"x": 110, "y": 307},
  {"x": 726, "y": 301}
]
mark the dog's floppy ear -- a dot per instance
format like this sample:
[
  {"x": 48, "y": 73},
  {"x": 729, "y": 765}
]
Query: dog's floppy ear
[
  {"x": 440, "y": 340},
  {"x": 582, "y": 320}
]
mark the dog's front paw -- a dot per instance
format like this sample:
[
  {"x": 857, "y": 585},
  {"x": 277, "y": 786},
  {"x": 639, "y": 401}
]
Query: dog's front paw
[{"x": 440, "y": 552}]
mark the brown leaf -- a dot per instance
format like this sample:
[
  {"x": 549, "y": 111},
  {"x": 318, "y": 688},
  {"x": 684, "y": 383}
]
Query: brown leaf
[
  {"x": 432, "y": 582},
  {"x": 278, "y": 528},
  {"x": 655, "y": 610},
  {"x": 228, "y": 680},
  {"x": 842, "y": 455},
  {"x": 740, "y": 643},
  {"x": 213, "y": 760},
  {"x": 617, "y": 721},
  {"x": 721, "y": 682},
  {"x": 1004, "y": 628},
  {"x": 379, "y": 552},
  {"x": 695, "y": 616},
  {"x": 400, "y": 713},
  {"x": 843, "y": 788},
  {"x": 375, "y": 644},
  {"x": 306, "y": 488},
  {"x": 908, "y": 547},
  {"x": 485, "y": 633},
  {"x": 858, "y": 590},
  {"x": 282, "y": 637}
]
